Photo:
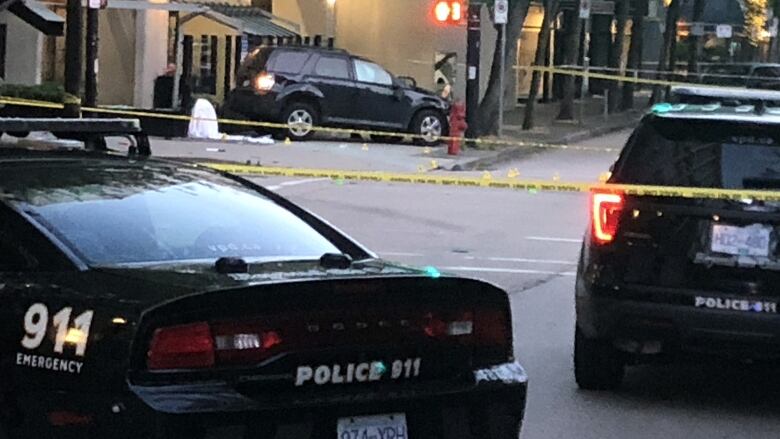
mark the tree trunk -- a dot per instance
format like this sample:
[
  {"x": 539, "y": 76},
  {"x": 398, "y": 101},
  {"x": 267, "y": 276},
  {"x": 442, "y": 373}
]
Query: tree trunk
[
  {"x": 616, "y": 55},
  {"x": 571, "y": 50},
  {"x": 550, "y": 12},
  {"x": 488, "y": 108},
  {"x": 694, "y": 45},
  {"x": 634, "y": 52},
  {"x": 664, "y": 60}
]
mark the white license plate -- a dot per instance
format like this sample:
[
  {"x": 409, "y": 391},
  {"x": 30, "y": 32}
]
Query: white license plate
[
  {"x": 741, "y": 241},
  {"x": 391, "y": 426}
]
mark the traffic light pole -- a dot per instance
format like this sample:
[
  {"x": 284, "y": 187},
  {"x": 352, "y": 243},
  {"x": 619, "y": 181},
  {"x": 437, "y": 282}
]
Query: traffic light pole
[
  {"x": 472, "y": 66},
  {"x": 91, "y": 71},
  {"x": 73, "y": 58}
]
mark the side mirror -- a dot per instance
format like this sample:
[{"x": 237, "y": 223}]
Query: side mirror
[{"x": 407, "y": 81}]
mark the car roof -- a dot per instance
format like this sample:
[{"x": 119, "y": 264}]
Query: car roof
[
  {"x": 301, "y": 48},
  {"x": 726, "y": 93}
]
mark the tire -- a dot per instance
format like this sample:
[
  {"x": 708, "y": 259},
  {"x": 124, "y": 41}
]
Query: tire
[
  {"x": 429, "y": 124},
  {"x": 597, "y": 365},
  {"x": 386, "y": 138},
  {"x": 302, "y": 118}
]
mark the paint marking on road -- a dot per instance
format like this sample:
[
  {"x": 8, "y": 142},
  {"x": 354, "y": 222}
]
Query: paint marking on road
[
  {"x": 554, "y": 239},
  {"x": 510, "y": 271},
  {"x": 524, "y": 260},
  {"x": 402, "y": 254},
  {"x": 276, "y": 187}
]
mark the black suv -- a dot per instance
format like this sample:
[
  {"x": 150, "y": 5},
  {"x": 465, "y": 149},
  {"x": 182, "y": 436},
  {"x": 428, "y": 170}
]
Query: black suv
[
  {"x": 306, "y": 87},
  {"x": 673, "y": 278}
]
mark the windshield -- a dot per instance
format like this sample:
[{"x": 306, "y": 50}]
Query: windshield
[
  {"x": 699, "y": 153},
  {"x": 125, "y": 215}
]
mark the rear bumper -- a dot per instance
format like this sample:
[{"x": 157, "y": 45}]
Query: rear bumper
[
  {"x": 493, "y": 405},
  {"x": 666, "y": 321}
]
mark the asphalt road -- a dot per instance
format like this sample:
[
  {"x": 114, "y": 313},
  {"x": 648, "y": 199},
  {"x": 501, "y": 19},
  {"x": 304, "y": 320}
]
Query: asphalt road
[{"x": 529, "y": 244}]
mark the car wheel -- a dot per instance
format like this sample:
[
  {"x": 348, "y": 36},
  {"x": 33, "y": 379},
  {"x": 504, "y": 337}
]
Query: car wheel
[
  {"x": 428, "y": 127},
  {"x": 386, "y": 138},
  {"x": 597, "y": 365},
  {"x": 301, "y": 119}
]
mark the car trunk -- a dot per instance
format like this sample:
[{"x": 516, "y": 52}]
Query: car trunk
[
  {"x": 728, "y": 246},
  {"x": 314, "y": 336}
]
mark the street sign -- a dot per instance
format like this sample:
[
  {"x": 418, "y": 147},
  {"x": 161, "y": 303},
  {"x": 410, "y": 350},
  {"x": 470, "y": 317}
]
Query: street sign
[
  {"x": 501, "y": 12},
  {"x": 97, "y": 4},
  {"x": 585, "y": 9},
  {"x": 724, "y": 31},
  {"x": 697, "y": 29}
]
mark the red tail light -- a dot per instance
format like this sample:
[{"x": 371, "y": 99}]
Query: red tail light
[
  {"x": 493, "y": 328},
  {"x": 181, "y": 347},
  {"x": 606, "y": 211}
]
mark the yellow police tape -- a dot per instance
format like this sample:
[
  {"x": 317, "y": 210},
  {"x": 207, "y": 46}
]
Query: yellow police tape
[
  {"x": 487, "y": 180},
  {"x": 274, "y": 125}
]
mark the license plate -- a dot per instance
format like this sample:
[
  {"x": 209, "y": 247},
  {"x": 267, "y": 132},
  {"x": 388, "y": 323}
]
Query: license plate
[
  {"x": 741, "y": 241},
  {"x": 391, "y": 426}
]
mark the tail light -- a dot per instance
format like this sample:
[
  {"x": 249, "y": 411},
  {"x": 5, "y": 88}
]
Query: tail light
[
  {"x": 606, "y": 211},
  {"x": 264, "y": 82},
  {"x": 181, "y": 347}
]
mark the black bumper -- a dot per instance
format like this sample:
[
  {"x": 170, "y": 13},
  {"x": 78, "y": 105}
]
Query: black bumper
[
  {"x": 641, "y": 320},
  {"x": 491, "y": 406}
]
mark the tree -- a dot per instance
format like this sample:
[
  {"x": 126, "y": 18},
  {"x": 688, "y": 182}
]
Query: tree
[
  {"x": 634, "y": 52},
  {"x": 665, "y": 60},
  {"x": 550, "y": 12},
  {"x": 694, "y": 41},
  {"x": 571, "y": 50},
  {"x": 616, "y": 54},
  {"x": 755, "y": 20},
  {"x": 488, "y": 108}
]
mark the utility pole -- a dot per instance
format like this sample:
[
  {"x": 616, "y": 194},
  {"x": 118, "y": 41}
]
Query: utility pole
[
  {"x": 91, "y": 70},
  {"x": 73, "y": 58},
  {"x": 473, "y": 49}
]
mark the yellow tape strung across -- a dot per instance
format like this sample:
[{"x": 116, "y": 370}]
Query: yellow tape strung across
[
  {"x": 273, "y": 125},
  {"x": 488, "y": 181}
]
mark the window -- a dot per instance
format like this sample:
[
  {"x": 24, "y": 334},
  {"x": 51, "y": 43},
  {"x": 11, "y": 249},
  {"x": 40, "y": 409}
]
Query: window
[
  {"x": 290, "y": 62},
  {"x": 701, "y": 153},
  {"x": 164, "y": 215},
  {"x": 206, "y": 81},
  {"x": 332, "y": 67},
  {"x": 370, "y": 72}
]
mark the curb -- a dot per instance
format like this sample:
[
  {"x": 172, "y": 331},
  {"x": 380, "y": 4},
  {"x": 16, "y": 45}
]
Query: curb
[{"x": 510, "y": 154}]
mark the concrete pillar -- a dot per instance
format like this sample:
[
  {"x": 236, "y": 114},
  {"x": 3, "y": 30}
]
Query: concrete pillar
[
  {"x": 151, "y": 54},
  {"x": 23, "y": 52}
]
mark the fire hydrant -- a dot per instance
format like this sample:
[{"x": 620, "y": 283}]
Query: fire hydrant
[{"x": 458, "y": 127}]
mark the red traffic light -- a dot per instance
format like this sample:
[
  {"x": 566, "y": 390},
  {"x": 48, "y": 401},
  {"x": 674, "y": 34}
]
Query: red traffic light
[{"x": 448, "y": 12}]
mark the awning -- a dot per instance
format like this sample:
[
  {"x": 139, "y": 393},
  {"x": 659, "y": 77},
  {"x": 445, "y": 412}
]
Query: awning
[
  {"x": 38, "y": 16},
  {"x": 252, "y": 21}
]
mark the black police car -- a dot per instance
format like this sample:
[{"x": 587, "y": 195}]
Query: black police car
[
  {"x": 672, "y": 278},
  {"x": 313, "y": 86},
  {"x": 143, "y": 299}
]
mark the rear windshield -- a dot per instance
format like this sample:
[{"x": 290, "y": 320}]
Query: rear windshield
[
  {"x": 698, "y": 153},
  {"x": 122, "y": 215}
]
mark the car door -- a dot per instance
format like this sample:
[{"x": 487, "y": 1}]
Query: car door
[
  {"x": 380, "y": 102},
  {"x": 765, "y": 77},
  {"x": 332, "y": 75}
]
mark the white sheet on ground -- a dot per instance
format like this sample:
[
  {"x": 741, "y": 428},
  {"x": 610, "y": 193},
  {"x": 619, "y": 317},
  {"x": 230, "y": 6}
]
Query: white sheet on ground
[{"x": 204, "y": 125}]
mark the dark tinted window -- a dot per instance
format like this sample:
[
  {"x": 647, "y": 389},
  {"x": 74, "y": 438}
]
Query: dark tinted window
[
  {"x": 332, "y": 67},
  {"x": 134, "y": 215},
  {"x": 697, "y": 153},
  {"x": 289, "y": 62}
]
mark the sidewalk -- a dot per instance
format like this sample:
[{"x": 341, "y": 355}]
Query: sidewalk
[{"x": 344, "y": 153}]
